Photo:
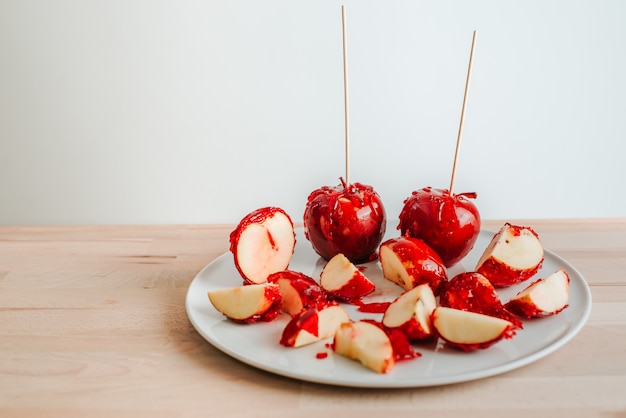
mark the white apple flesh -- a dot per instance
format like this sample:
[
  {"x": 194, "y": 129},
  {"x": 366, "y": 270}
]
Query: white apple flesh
[
  {"x": 248, "y": 303},
  {"x": 366, "y": 343},
  {"x": 263, "y": 243},
  {"x": 312, "y": 325},
  {"x": 470, "y": 330},
  {"x": 411, "y": 313},
  {"x": 514, "y": 254},
  {"x": 544, "y": 297},
  {"x": 343, "y": 280}
]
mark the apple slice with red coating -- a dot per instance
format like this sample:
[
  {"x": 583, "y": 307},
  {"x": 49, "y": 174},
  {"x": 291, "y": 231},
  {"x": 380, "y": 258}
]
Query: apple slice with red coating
[
  {"x": 514, "y": 254},
  {"x": 248, "y": 303},
  {"x": 299, "y": 291},
  {"x": 344, "y": 281},
  {"x": 471, "y": 291},
  {"x": 409, "y": 262},
  {"x": 544, "y": 297},
  {"x": 262, "y": 243},
  {"x": 367, "y": 343},
  {"x": 467, "y": 330},
  {"x": 312, "y": 325},
  {"x": 411, "y": 313}
]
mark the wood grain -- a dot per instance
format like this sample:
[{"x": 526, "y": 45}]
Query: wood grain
[{"x": 93, "y": 324}]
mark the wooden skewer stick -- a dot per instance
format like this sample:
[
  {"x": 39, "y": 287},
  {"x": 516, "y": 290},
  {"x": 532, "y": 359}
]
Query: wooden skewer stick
[
  {"x": 458, "y": 139},
  {"x": 345, "y": 92}
]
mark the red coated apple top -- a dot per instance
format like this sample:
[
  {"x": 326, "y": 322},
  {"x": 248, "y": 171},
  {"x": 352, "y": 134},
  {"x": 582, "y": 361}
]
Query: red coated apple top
[
  {"x": 348, "y": 219},
  {"x": 449, "y": 224}
]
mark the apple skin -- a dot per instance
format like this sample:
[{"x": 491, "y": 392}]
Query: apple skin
[
  {"x": 421, "y": 263},
  {"x": 449, "y": 224},
  {"x": 543, "y": 297},
  {"x": 348, "y": 219},
  {"x": 343, "y": 281},
  {"x": 313, "y": 324}
]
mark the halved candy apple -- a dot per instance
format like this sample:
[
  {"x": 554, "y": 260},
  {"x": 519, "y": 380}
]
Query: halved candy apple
[
  {"x": 471, "y": 291},
  {"x": 344, "y": 281},
  {"x": 543, "y": 297},
  {"x": 514, "y": 254},
  {"x": 262, "y": 243},
  {"x": 366, "y": 343},
  {"x": 248, "y": 303},
  {"x": 411, "y": 313},
  {"x": 410, "y": 262},
  {"x": 299, "y": 291},
  {"x": 467, "y": 330},
  {"x": 312, "y": 324}
]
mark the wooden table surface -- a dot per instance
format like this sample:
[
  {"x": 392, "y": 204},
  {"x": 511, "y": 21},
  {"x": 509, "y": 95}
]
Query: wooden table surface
[{"x": 93, "y": 323}]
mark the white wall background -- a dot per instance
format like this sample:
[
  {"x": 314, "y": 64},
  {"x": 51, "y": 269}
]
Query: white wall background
[{"x": 116, "y": 112}]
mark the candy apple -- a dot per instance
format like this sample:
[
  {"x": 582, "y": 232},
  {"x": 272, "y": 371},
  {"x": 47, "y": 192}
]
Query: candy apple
[
  {"x": 344, "y": 281},
  {"x": 467, "y": 330},
  {"x": 543, "y": 297},
  {"x": 349, "y": 219},
  {"x": 262, "y": 243},
  {"x": 248, "y": 303},
  {"x": 312, "y": 324},
  {"x": 298, "y": 291},
  {"x": 471, "y": 291},
  {"x": 448, "y": 223},
  {"x": 411, "y": 313},
  {"x": 409, "y": 262},
  {"x": 514, "y": 254},
  {"x": 367, "y": 343}
]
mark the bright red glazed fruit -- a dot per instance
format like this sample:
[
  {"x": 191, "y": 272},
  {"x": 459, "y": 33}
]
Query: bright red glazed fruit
[
  {"x": 349, "y": 219},
  {"x": 448, "y": 223}
]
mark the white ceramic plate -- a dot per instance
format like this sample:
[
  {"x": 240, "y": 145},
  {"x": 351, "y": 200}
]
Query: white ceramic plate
[{"x": 257, "y": 344}]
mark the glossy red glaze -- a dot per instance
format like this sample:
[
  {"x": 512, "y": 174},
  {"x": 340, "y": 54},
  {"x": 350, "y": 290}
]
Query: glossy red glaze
[
  {"x": 256, "y": 216},
  {"x": 471, "y": 291},
  {"x": 421, "y": 262},
  {"x": 311, "y": 293},
  {"x": 272, "y": 293},
  {"x": 321, "y": 355},
  {"x": 501, "y": 275},
  {"x": 372, "y": 307},
  {"x": 402, "y": 348},
  {"x": 449, "y": 224},
  {"x": 307, "y": 320},
  {"x": 348, "y": 219},
  {"x": 355, "y": 289},
  {"x": 526, "y": 310}
]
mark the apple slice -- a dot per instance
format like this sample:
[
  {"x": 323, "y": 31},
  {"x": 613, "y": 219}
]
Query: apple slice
[
  {"x": 411, "y": 313},
  {"x": 248, "y": 303},
  {"x": 367, "y": 343},
  {"x": 312, "y": 325},
  {"x": 543, "y": 297},
  {"x": 471, "y": 291},
  {"x": 262, "y": 243},
  {"x": 409, "y": 262},
  {"x": 344, "y": 281},
  {"x": 467, "y": 330},
  {"x": 514, "y": 254},
  {"x": 299, "y": 291}
]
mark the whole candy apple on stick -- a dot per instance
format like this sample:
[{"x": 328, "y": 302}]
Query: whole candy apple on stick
[
  {"x": 349, "y": 218},
  {"x": 449, "y": 223}
]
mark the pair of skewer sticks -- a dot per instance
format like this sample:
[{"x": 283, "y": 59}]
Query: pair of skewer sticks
[{"x": 346, "y": 104}]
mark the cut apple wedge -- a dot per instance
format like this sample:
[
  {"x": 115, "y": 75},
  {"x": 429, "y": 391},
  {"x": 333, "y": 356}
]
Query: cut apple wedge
[
  {"x": 344, "y": 281},
  {"x": 410, "y": 262},
  {"x": 366, "y": 343},
  {"x": 467, "y": 330},
  {"x": 312, "y": 325},
  {"x": 471, "y": 291},
  {"x": 298, "y": 291},
  {"x": 514, "y": 254},
  {"x": 411, "y": 313},
  {"x": 263, "y": 243},
  {"x": 544, "y": 297},
  {"x": 248, "y": 303}
]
